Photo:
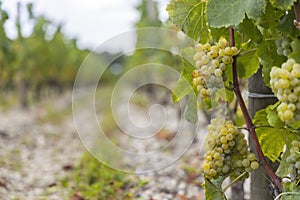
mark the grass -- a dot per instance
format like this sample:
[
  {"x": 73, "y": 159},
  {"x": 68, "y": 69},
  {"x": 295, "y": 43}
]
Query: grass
[{"x": 94, "y": 181}]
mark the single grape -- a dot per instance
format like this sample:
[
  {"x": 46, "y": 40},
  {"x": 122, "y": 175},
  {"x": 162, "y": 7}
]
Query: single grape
[{"x": 254, "y": 165}]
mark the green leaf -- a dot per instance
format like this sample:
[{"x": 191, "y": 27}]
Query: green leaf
[
  {"x": 261, "y": 118},
  {"x": 223, "y": 13},
  {"x": 190, "y": 16},
  {"x": 295, "y": 125},
  {"x": 229, "y": 95},
  {"x": 213, "y": 189},
  {"x": 256, "y": 8},
  {"x": 287, "y": 27},
  {"x": 272, "y": 141},
  {"x": 190, "y": 112},
  {"x": 271, "y": 17},
  {"x": 284, "y": 166},
  {"x": 296, "y": 50},
  {"x": 266, "y": 51},
  {"x": 247, "y": 64},
  {"x": 184, "y": 85},
  {"x": 282, "y": 4},
  {"x": 217, "y": 33},
  {"x": 272, "y": 115},
  {"x": 248, "y": 28}
]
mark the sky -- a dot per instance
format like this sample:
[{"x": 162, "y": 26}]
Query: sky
[{"x": 92, "y": 22}]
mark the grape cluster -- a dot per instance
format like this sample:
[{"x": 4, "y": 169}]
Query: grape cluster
[
  {"x": 211, "y": 61},
  {"x": 227, "y": 151},
  {"x": 294, "y": 159},
  {"x": 285, "y": 83},
  {"x": 283, "y": 46}
]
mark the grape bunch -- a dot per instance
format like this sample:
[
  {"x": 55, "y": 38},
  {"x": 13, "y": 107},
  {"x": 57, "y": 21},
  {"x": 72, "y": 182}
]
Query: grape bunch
[
  {"x": 227, "y": 151},
  {"x": 283, "y": 46},
  {"x": 211, "y": 61},
  {"x": 285, "y": 83},
  {"x": 294, "y": 159}
]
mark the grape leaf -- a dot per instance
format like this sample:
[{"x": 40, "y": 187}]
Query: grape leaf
[
  {"x": 229, "y": 95},
  {"x": 286, "y": 25},
  {"x": 247, "y": 64},
  {"x": 271, "y": 17},
  {"x": 184, "y": 85},
  {"x": 190, "y": 16},
  {"x": 282, "y": 4},
  {"x": 223, "y": 13},
  {"x": 295, "y": 125},
  {"x": 261, "y": 118},
  {"x": 216, "y": 33},
  {"x": 190, "y": 112},
  {"x": 272, "y": 141},
  {"x": 270, "y": 138},
  {"x": 284, "y": 166},
  {"x": 256, "y": 8},
  {"x": 266, "y": 51},
  {"x": 272, "y": 116},
  {"x": 223, "y": 94},
  {"x": 213, "y": 190},
  {"x": 248, "y": 28},
  {"x": 296, "y": 50}
]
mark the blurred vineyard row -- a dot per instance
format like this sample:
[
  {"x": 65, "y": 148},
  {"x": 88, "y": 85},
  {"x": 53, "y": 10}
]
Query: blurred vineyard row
[{"x": 44, "y": 62}]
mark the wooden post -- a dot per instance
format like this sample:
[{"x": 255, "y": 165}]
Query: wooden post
[{"x": 260, "y": 185}]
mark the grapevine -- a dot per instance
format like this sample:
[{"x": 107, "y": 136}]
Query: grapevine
[
  {"x": 283, "y": 46},
  {"x": 211, "y": 62},
  {"x": 285, "y": 83},
  {"x": 294, "y": 160},
  {"x": 265, "y": 39},
  {"x": 227, "y": 151}
]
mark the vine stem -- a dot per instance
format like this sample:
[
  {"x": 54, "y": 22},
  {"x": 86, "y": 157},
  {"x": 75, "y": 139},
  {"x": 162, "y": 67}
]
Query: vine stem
[
  {"x": 297, "y": 14},
  {"x": 232, "y": 182},
  {"x": 249, "y": 124}
]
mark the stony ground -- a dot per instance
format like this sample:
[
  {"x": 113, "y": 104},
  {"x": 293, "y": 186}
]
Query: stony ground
[{"x": 38, "y": 146}]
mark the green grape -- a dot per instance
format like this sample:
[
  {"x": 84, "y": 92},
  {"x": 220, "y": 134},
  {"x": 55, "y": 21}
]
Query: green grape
[
  {"x": 283, "y": 46},
  {"x": 199, "y": 47},
  {"x": 251, "y": 157},
  {"x": 206, "y": 47},
  {"x": 278, "y": 42},
  {"x": 212, "y": 59},
  {"x": 297, "y": 165},
  {"x": 225, "y": 169},
  {"x": 293, "y": 160},
  {"x": 254, "y": 165},
  {"x": 212, "y": 54},
  {"x": 285, "y": 83},
  {"x": 279, "y": 51},
  {"x": 235, "y": 51},
  {"x": 227, "y": 151},
  {"x": 228, "y": 51},
  {"x": 227, "y": 60},
  {"x": 218, "y": 72},
  {"x": 286, "y": 52},
  {"x": 246, "y": 162}
]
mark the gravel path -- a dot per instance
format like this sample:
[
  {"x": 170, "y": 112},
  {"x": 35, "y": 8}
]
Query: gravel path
[
  {"x": 35, "y": 150},
  {"x": 36, "y": 153}
]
